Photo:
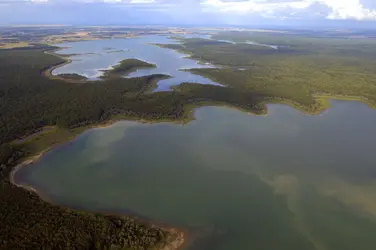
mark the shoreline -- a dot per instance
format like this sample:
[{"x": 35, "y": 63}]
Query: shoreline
[
  {"x": 110, "y": 71},
  {"x": 66, "y": 60},
  {"x": 181, "y": 236},
  {"x": 182, "y": 239},
  {"x": 322, "y": 98}
]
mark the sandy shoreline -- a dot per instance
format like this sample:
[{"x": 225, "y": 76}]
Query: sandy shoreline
[{"x": 25, "y": 163}]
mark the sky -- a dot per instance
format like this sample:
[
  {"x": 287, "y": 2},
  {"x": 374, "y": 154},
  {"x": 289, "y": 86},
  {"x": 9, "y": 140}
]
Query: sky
[{"x": 189, "y": 12}]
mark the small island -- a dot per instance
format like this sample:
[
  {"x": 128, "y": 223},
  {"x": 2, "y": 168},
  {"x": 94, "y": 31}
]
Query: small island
[
  {"x": 40, "y": 111},
  {"x": 126, "y": 67},
  {"x": 118, "y": 51},
  {"x": 73, "y": 76}
]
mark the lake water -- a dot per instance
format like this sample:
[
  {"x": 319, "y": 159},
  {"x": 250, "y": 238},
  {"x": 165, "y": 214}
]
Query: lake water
[
  {"x": 235, "y": 181},
  {"x": 210, "y": 37},
  {"x": 91, "y": 57}
]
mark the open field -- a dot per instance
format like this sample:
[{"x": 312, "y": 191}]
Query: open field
[{"x": 13, "y": 45}]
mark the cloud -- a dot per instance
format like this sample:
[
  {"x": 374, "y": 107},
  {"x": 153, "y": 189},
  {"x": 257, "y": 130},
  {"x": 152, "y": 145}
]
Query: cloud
[
  {"x": 190, "y": 11},
  {"x": 349, "y": 9},
  {"x": 338, "y": 9}
]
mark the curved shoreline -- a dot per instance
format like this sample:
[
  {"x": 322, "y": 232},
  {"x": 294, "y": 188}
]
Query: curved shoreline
[
  {"x": 320, "y": 97},
  {"x": 110, "y": 71},
  {"x": 66, "y": 60},
  {"x": 190, "y": 111},
  {"x": 180, "y": 235},
  {"x": 182, "y": 241},
  {"x": 179, "y": 243}
]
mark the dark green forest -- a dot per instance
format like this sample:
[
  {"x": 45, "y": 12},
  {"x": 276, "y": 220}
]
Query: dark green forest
[
  {"x": 126, "y": 67},
  {"x": 300, "y": 71},
  {"x": 30, "y": 101}
]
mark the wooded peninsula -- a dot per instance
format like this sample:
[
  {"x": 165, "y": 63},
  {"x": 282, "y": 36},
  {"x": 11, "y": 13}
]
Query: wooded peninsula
[
  {"x": 30, "y": 101},
  {"x": 303, "y": 72}
]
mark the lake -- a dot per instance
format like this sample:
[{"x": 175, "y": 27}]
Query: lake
[
  {"x": 233, "y": 180},
  {"x": 210, "y": 37},
  {"x": 90, "y": 58}
]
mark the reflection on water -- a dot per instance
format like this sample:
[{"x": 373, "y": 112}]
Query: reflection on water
[
  {"x": 91, "y": 57},
  {"x": 236, "y": 181}
]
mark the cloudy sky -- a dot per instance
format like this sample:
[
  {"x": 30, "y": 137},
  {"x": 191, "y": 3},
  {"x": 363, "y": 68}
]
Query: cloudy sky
[{"x": 198, "y": 12}]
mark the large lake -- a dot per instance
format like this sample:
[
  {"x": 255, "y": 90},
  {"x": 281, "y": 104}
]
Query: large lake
[
  {"x": 285, "y": 181},
  {"x": 90, "y": 58}
]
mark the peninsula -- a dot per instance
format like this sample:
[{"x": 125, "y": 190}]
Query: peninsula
[
  {"x": 127, "y": 66},
  {"x": 306, "y": 74}
]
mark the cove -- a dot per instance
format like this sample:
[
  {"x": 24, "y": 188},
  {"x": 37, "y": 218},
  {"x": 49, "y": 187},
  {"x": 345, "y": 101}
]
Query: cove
[
  {"x": 90, "y": 58},
  {"x": 233, "y": 180}
]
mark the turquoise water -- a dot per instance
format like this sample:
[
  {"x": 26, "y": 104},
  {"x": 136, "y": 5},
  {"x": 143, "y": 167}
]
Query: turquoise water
[{"x": 233, "y": 180}]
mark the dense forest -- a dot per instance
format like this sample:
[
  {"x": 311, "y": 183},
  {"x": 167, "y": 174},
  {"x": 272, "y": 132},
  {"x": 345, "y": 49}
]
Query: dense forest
[
  {"x": 73, "y": 77},
  {"x": 301, "y": 69},
  {"x": 126, "y": 67},
  {"x": 30, "y": 101}
]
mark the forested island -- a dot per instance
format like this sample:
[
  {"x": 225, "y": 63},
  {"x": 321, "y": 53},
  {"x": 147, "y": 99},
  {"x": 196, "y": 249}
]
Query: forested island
[
  {"x": 126, "y": 67},
  {"x": 303, "y": 74},
  {"x": 74, "y": 77}
]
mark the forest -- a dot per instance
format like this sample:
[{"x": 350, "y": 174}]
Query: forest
[
  {"x": 127, "y": 66},
  {"x": 30, "y": 101},
  {"x": 301, "y": 70}
]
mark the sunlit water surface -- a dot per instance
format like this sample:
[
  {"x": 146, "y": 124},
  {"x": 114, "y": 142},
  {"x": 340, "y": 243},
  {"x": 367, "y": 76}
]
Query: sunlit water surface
[{"x": 90, "y": 58}]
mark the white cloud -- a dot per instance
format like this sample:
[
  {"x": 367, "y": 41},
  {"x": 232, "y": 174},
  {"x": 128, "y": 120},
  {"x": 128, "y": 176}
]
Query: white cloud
[
  {"x": 349, "y": 9},
  {"x": 233, "y": 9},
  {"x": 339, "y": 9}
]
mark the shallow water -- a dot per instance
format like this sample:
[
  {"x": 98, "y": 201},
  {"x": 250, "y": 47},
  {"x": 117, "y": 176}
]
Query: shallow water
[
  {"x": 235, "y": 181},
  {"x": 90, "y": 57}
]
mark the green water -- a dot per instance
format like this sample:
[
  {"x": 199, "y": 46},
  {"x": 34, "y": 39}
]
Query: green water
[{"x": 233, "y": 180}]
